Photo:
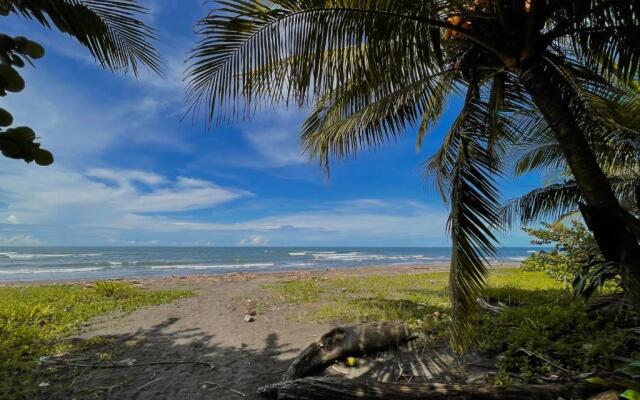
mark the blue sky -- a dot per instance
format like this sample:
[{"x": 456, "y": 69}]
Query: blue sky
[{"x": 130, "y": 171}]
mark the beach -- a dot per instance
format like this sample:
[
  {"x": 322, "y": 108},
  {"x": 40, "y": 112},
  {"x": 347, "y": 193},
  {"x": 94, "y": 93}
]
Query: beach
[{"x": 210, "y": 327}]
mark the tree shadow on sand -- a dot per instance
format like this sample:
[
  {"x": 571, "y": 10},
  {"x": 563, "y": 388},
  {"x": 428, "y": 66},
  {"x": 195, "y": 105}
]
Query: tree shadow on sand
[
  {"x": 237, "y": 371},
  {"x": 241, "y": 369}
]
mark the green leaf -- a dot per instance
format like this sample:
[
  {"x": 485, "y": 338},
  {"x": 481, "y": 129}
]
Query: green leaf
[
  {"x": 6, "y": 119},
  {"x": 17, "y": 61},
  {"x": 22, "y": 133},
  {"x": 631, "y": 369},
  {"x": 43, "y": 157},
  {"x": 10, "y": 79},
  {"x": 9, "y": 149},
  {"x": 630, "y": 394},
  {"x": 29, "y": 47},
  {"x": 596, "y": 380}
]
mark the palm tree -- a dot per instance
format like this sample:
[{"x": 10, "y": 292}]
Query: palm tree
[
  {"x": 373, "y": 68},
  {"x": 110, "y": 29}
]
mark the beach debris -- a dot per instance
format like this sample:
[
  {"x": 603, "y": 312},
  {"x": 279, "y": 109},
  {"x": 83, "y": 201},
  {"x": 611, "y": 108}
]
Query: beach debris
[
  {"x": 351, "y": 362},
  {"x": 148, "y": 384},
  {"x": 609, "y": 395},
  {"x": 236, "y": 391},
  {"x": 497, "y": 308},
  {"x": 249, "y": 318},
  {"x": 539, "y": 357},
  {"x": 335, "y": 367},
  {"x": 437, "y": 315},
  {"x": 322, "y": 387},
  {"x": 133, "y": 343},
  {"x": 44, "y": 384},
  {"x": 251, "y": 308},
  {"x": 346, "y": 341},
  {"x": 239, "y": 393},
  {"x": 124, "y": 363},
  {"x": 343, "y": 289}
]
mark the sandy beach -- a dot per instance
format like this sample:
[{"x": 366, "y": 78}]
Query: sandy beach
[{"x": 210, "y": 328}]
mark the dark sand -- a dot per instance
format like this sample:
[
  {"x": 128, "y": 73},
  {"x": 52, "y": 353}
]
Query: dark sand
[{"x": 210, "y": 327}]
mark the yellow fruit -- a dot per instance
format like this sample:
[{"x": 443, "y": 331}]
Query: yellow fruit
[{"x": 351, "y": 361}]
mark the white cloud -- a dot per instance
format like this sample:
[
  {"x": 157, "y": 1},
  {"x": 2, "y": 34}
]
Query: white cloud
[
  {"x": 186, "y": 194},
  {"x": 124, "y": 177},
  {"x": 77, "y": 125},
  {"x": 278, "y": 146},
  {"x": 255, "y": 240},
  {"x": 56, "y": 196},
  {"x": 273, "y": 135},
  {"x": 19, "y": 240},
  {"x": 60, "y": 206},
  {"x": 342, "y": 223}
]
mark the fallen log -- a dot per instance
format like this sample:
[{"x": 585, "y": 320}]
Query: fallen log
[
  {"x": 345, "y": 341},
  {"x": 316, "y": 388}
]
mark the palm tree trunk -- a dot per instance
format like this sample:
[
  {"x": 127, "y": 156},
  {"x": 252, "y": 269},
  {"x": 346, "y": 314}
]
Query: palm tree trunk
[{"x": 610, "y": 223}]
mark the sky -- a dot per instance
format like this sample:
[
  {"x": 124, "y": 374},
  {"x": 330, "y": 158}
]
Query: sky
[{"x": 130, "y": 170}]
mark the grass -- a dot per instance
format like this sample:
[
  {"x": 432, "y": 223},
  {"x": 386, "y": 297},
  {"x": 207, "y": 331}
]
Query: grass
[
  {"x": 34, "y": 320},
  {"x": 542, "y": 317}
]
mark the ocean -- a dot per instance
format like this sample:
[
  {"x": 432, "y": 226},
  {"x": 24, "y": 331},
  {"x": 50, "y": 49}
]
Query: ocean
[{"x": 91, "y": 263}]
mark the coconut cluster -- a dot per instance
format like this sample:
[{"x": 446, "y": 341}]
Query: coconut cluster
[{"x": 477, "y": 6}]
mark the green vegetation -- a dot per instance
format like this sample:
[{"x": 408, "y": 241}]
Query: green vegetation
[
  {"x": 109, "y": 29},
  {"x": 34, "y": 320},
  {"x": 575, "y": 258},
  {"x": 542, "y": 317},
  {"x": 572, "y": 249}
]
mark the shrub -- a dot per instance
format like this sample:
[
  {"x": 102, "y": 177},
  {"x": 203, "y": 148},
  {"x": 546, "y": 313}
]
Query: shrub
[
  {"x": 113, "y": 289},
  {"x": 560, "y": 332},
  {"x": 575, "y": 258}
]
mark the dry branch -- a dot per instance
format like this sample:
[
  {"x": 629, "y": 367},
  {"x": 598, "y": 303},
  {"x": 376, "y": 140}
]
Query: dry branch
[
  {"x": 316, "y": 388},
  {"x": 346, "y": 341}
]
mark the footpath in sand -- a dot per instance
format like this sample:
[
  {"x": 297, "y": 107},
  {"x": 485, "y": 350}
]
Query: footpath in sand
[{"x": 211, "y": 328}]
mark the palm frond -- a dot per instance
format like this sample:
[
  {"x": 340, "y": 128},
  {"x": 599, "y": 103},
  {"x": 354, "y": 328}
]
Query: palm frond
[
  {"x": 110, "y": 29},
  {"x": 605, "y": 33},
  {"x": 368, "y": 114},
  {"x": 557, "y": 200},
  {"x": 466, "y": 170},
  {"x": 326, "y": 45},
  {"x": 607, "y": 111}
]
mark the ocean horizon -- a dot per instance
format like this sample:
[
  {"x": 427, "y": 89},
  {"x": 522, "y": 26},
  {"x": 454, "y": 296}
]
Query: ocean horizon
[{"x": 91, "y": 263}]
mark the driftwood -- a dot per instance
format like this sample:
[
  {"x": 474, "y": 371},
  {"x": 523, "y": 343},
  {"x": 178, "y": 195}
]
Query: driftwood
[
  {"x": 316, "y": 388},
  {"x": 346, "y": 341},
  {"x": 497, "y": 309}
]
